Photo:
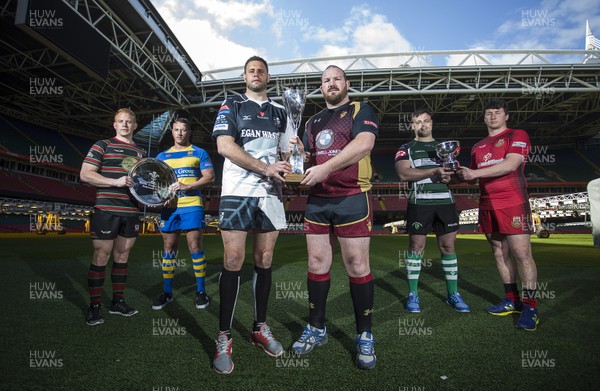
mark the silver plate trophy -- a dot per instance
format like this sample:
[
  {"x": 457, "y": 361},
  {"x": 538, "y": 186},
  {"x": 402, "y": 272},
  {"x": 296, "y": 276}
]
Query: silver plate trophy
[
  {"x": 294, "y": 100},
  {"x": 447, "y": 152},
  {"x": 151, "y": 180}
]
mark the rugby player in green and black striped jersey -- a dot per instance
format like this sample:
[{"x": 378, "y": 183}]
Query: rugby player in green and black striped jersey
[
  {"x": 116, "y": 220},
  {"x": 430, "y": 207}
]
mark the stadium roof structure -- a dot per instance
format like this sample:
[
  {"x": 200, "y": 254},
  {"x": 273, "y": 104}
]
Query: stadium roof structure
[
  {"x": 553, "y": 94},
  {"x": 68, "y": 65}
]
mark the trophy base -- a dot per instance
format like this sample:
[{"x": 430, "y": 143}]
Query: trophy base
[{"x": 294, "y": 178}]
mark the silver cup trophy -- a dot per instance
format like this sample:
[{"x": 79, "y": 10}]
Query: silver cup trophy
[
  {"x": 294, "y": 100},
  {"x": 447, "y": 152},
  {"x": 151, "y": 180}
]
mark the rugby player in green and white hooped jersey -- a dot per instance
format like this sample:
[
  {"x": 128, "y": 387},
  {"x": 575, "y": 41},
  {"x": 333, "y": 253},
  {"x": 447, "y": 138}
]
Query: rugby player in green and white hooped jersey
[{"x": 430, "y": 207}]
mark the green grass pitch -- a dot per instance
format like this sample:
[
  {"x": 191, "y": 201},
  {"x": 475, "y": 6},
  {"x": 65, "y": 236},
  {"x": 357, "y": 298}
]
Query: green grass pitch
[{"x": 48, "y": 346}]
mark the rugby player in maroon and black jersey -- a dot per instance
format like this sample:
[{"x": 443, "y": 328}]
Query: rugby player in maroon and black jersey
[{"x": 339, "y": 140}]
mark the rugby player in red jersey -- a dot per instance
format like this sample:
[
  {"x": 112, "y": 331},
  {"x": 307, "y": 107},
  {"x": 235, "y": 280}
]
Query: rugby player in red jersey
[{"x": 498, "y": 164}]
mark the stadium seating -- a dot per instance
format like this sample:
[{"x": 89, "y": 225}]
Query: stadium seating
[
  {"x": 33, "y": 141},
  {"x": 38, "y": 187}
]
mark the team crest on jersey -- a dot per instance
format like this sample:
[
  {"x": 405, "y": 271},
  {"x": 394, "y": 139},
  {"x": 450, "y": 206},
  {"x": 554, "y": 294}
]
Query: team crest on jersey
[
  {"x": 277, "y": 122},
  {"x": 499, "y": 143},
  {"x": 324, "y": 138},
  {"x": 128, "y": 162},
  {"x": 343, "y": 113},
  {"x": 369, "y": 226},
  {"x": 416, "y": 225},
  {"x": 516, "y": 222}
]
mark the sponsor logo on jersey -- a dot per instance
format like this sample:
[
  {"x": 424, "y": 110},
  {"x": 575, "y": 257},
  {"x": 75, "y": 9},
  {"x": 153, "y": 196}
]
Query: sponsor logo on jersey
[
  {"x": 324, "y": 139},
  {"x": 370, "y": 123},
  {"x": 343, "y": 113},
  {"x": 520, "y": 144},
  {"x": 254, "y": 133},
  {"x": 499, "y": 143},
  {"x": 487, "y": 156},
  {"x": 516, "y": 221},
  {"x": 221, "y": 127},
  {"x": 277, "y": 121},
  {"x": 224, "y": 107},
  {"x": 185, "y": 172},
  {"x": 246, "y": 118},
  {"x": 262, "y": 115},
  {"x": 490, "y": 163}
]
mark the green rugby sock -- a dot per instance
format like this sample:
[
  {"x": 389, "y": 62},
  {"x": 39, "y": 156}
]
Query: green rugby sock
[
  {"x": 450, "y": 266},
  {"x": 413, "y": 270}
]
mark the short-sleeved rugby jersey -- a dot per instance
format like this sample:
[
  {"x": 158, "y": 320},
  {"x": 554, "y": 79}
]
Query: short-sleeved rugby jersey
[
  {"x": 422, "y": 156},
  {"x": 188, "y": 164},
  {"x": 259, "y": 128},
  {"x": 507, "y": 190},
  {"x": 113, "y": 158},
  {"x": 327, "y": 133}
]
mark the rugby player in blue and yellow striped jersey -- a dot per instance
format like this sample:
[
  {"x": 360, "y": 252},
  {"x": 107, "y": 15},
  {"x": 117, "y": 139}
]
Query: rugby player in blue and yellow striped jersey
[{"x": 194, "y": 170}]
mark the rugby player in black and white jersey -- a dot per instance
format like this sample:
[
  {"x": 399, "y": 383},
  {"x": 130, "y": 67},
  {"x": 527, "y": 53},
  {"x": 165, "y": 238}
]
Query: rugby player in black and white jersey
[{"x": 249, "y": 130}]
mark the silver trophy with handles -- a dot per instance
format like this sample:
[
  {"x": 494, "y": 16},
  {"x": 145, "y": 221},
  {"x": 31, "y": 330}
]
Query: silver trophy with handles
[
  {"x": 447, "y": 152},
  {"x": 151, "y": 180},
  {"x": 294, "y": 100}
]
